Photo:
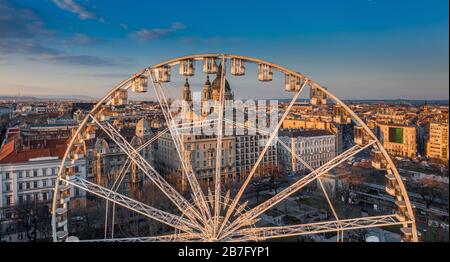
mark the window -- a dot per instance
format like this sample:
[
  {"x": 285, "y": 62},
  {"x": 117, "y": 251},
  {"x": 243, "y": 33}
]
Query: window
[
  {"x": 35, "y": 173},
  {"x": 35, "y": 184},
  {"x": 9, "y": 200}
]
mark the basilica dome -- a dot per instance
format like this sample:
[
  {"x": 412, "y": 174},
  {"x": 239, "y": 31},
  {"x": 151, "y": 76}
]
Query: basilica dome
[{"x": 215, "y": 85}]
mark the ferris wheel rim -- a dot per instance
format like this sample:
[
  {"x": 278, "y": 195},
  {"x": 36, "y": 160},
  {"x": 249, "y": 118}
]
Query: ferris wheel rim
[{"x": 282, "y": 69}]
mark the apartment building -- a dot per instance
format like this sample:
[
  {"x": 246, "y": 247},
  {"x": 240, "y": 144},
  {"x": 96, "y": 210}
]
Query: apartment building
[
  {"x": 437, "y": 145},
  {"x": 200, "y": 151},
  {"x": 29, "y": 175},
  {"x": 315, "y": 147},
  {"x": 399, "y": 140}
]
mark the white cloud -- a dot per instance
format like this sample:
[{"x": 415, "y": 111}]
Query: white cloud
[
  {"x": 124, "y": 26},
  {"x": 74, "y": 7},
  {"x": 145, "y": 34}
]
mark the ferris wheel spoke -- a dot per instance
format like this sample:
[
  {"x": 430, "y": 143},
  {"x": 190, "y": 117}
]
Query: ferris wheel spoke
[
  {"x": 196, "y": 222},
  {"x": 114, "y": 188},
  {"x": 218, "y": 173},
  {"x": 258, "y": 210},
  {"x": 197, "y": 193},
  {"x": 306, "y": 164},
  {"x": 330, "y": 205},
  {"x": 121, "y": 175},
  {"x": 165, "y": 130},
  {"x": 182, "y": 237},
  {"x": 403, "y": 193},
  {"x": 171, "y": 220},
  {"x": 176, "y": 198},
  {"x": 261, "y": 156},
  {"x": 264, "y": 233}
]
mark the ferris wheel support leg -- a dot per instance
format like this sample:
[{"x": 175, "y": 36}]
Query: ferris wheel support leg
[
  {"x": 197, "y": 192},
  {"x": 261, "y": 156},
  {"x": 149, "y": 171}
]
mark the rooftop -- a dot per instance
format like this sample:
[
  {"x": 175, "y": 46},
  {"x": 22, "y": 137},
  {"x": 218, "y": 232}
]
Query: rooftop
[
  {"x": 9, "y": 154},
  {"x": 305, "y": 133}
]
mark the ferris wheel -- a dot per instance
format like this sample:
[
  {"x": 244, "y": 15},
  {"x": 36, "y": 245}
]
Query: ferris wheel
[{"x": 214, "y": 213}]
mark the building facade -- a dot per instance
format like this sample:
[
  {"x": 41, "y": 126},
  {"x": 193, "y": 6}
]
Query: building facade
[
  {"x": 437, "y": 146},
  {"x": 106, "y": 161},
  {"x": 293, "y": 123},
  {"x": 29, "y": 175},
  {"x": 248, "y": 149},
  {"x": 200, "y": 151},
  {"x": 399, "y": 140},
  {"x": 315, "y": 147}
]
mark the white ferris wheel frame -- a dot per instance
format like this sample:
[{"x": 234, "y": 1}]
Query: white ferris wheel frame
[{"x": 198, "y": 222}]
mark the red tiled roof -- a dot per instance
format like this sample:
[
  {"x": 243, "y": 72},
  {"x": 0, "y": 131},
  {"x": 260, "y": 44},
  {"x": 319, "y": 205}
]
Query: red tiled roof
[
  {"x": 7, "y": 149},
  {"x": 9, "y": 155}
]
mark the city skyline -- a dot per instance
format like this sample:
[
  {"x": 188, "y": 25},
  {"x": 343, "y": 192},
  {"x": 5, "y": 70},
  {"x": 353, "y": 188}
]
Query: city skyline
[{"x": 86, "y": 47}]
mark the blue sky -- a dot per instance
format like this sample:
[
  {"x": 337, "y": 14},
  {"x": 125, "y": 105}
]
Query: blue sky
[{"x": 357, "y": 48}]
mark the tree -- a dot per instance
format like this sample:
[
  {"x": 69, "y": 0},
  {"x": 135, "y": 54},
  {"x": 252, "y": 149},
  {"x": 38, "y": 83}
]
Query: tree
[
  {"x": 257, "y": 184},
  {"x": 351, "y": 182},
  {"x": 276, "y": 174},
  {"x": 87, "y": 219},
  {"x": 272, "y": 173},
  {"x": 33, "y": 219}
]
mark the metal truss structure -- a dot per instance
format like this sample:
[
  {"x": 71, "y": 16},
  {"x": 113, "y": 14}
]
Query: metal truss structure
[{"x": 216, "y": 214}]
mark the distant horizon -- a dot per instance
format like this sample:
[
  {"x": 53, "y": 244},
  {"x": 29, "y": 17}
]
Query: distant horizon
[
  {"x": 80, "y": 97},
  {"x": 364, "y": 49}
]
